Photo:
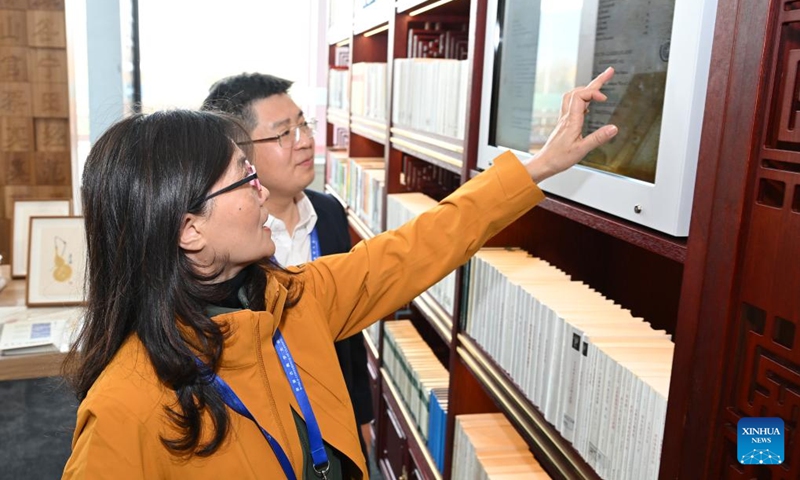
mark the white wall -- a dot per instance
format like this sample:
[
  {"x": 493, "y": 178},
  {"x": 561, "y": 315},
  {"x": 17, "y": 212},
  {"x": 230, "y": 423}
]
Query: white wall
[{"x": 186, "y": 45}]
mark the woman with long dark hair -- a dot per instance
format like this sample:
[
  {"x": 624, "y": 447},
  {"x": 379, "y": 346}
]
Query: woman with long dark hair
[{"x": 198, "y": 357}]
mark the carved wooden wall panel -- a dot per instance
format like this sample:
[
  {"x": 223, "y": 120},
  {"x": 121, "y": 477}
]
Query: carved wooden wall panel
[
  {"x": 764, "y": 373},
  {"x": 34, "y": 107}
]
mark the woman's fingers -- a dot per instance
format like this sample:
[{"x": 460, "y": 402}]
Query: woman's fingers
[
  {"x": 566, "y": 145},
  {"x": 598, "y": 81},
  {"x": 597, "y": 138},
  {"x": 581, "y": 97}
]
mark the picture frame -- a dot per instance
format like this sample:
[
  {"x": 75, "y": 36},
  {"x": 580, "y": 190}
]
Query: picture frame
[
  {"x": 23, "y": 210},
  {"x": 56, "y": 262}
]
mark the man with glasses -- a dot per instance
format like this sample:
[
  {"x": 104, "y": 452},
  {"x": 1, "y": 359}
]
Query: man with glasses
[{"x": 304, "y": 223}]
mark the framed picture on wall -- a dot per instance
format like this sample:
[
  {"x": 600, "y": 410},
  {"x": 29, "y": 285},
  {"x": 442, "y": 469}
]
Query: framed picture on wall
[
  {"x": 56, "y": 261},
  {"x": 23, "y": 211}
]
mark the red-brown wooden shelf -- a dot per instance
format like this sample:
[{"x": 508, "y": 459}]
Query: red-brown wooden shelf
[
  {"x": 444, "y": 152},
  {"x": 361, "y": 228},
  {"x": 330, "y": 190},
  {"x": 416, "y": 445},
  {"x": 669, "y": 247},
  {"x": 373, "y": 129},
  {"x": 673, "y": 248},
  {"x": 552, "y": 451},
  {"x": 371, "y": 347},
  {"x": 338, "y": 117},
  {"x": 436, "y": 316}
]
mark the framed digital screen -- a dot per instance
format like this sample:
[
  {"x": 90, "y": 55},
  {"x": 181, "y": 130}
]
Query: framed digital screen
[{"x": 536, "y": 50}]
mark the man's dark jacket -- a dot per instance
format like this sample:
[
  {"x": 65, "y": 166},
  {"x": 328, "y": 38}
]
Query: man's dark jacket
[{"x": 334, "y": 237}]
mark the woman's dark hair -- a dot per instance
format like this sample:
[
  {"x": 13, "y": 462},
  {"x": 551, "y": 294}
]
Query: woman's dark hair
[{"x": 140, "y": 179}]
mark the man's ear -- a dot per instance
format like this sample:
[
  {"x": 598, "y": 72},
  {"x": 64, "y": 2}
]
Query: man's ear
[{"x": 192, "y": 238}]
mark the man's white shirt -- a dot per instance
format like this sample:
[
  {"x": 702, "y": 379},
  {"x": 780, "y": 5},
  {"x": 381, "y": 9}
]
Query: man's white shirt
[{"x": 294, "y": 249}]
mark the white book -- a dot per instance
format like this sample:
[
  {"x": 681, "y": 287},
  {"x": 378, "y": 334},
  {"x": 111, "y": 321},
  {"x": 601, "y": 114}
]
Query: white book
[
  {"x": 633, "y": 452},
  {"x": 555, "y": 344},
  {"x": 658, "y": 419},
  {"x": 609, "y": 426},
  {"x": 540, "y": 313},
  {"x": 530, "y": 344},
  {"x": 595, "y": 407},
  {"x": 619, "y": 442},
  {"x": 518, "y": 354},
  {"x": 586, "y": 380}
]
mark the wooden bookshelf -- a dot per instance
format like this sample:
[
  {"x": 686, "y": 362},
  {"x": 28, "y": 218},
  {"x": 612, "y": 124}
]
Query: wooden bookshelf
[
  {"x": 375, "y": 130},
  {"x": 436, "y": 316},
  {"x": 726, "y": 293},
  {"x": 359, "y": 226},
  {"x": 372, "y": 16},
  {"x": 362, "y": 229},
  {"x": 330, "y": 191},
  {"x": 339, "y": 117},
  {"x": 418, "y": 451},
  {"x": 673, "y": 248},
  {"x": 371, "y": 347},
  {"x": 446, "y": 153},
  {"x": 553, "y": 452}
]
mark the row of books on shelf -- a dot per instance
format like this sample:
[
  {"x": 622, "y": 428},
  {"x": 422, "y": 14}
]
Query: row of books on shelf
[
  {"x": 417, "y": 373},
  {"x": 439, "y": 402},
  {"x": 359, "y": 182},
  {"x": 374, "y": 332},
  {"x": 339, "y": 88},
  {"x": 486, "y": 446},
  {"x": 438, "y": 108},
  {"x": 598, "y": 375},
  {"x": 402, "y": 208},
  {"x": 368, "y": 90},
  {"x": 430, "y": 95}
]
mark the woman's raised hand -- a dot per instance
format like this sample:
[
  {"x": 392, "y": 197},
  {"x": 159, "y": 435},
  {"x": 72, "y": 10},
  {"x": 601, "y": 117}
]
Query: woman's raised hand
[{"x": 566, "y": 145}]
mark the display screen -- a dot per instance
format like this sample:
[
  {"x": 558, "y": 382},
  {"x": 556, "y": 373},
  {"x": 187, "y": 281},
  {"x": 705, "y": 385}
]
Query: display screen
[{"x": 547, "y": 47}]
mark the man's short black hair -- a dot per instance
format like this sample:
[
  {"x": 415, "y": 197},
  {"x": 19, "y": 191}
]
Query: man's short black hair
[{"x": 236, "y": 94}]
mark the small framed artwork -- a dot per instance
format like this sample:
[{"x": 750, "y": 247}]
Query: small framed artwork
[
  {"x": 56, "y": 261},
  {"x": 23, "y": 211}
]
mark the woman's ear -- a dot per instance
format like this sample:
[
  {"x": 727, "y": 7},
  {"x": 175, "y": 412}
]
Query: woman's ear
[{"x": 192, "y": 238}]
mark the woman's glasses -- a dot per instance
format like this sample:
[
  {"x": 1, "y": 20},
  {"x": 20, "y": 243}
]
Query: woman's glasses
[
  {"x": 251, "y": 178},
  {"x": 292, "y": 135}
]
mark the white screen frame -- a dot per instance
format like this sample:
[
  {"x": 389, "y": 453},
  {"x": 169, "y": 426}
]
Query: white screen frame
[{"x": 665, "y": 205}]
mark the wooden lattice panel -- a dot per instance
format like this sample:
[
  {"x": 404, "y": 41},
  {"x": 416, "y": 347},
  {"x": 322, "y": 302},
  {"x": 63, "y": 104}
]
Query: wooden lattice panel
[
  {"x": 421, "y": 176},
  {"x": 34, "y": 106},
  {"x": 765, "y": 376},
  {"x": 438, "y": 40}
]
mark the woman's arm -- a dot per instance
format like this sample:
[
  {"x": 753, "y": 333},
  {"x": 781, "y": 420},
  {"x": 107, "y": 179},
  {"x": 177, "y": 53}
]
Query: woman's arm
[{"x": 383, "y": 273}]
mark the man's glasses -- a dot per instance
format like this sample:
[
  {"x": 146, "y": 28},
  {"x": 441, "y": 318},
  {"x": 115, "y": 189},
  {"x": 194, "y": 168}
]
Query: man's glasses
[
  {"x": 251, "y": 178},
  {"x": 290, "y": 137}
]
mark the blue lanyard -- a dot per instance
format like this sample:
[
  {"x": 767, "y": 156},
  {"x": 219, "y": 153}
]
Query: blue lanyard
[
  {"x": 235, "y": 403},
  {"x": 315, "y": 250},
  {"x": 318, "y": 454}
]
